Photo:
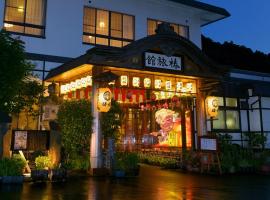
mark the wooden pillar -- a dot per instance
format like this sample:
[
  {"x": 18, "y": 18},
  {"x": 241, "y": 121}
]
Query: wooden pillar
[
  {"x": 200, "y": 109},
  {"x": 96, "y": 136}
]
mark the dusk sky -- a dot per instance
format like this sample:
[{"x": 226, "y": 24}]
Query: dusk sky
[{"x": 248, "y": 25}]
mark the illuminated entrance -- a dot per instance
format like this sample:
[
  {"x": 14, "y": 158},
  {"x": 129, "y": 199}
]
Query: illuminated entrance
[
  {"x": 162, "y": 85},
  {"x": 158, "y": 109}
]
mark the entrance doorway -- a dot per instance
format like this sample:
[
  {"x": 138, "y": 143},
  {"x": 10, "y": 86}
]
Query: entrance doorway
[{"x": 159, "y": 124}]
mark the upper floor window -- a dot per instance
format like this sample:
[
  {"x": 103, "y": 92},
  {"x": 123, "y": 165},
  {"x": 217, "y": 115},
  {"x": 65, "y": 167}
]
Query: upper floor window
[
  {"x": 25, "y": 17},
  {"x": 107, "y": 28},
  {"x": 228, "y": 115},
  {"x": 179, "y": 29}
]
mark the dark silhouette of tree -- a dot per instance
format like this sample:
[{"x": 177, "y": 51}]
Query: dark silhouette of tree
[{"x": 237, "y": 56}]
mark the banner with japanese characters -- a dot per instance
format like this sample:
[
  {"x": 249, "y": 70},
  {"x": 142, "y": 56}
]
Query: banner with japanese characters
[{"x": 162, "y": 61}]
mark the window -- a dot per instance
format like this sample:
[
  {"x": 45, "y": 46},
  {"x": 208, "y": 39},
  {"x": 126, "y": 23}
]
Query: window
[
  {"x": 25, "y": 17},
  {"x": 179, "y": 29},
  {"x": 228, "y": 114},
  {"x": 107, "y": 28}
]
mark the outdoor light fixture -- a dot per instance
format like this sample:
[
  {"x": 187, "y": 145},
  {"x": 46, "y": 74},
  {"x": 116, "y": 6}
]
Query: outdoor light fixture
[
  {"x": 179, "y": 86},
  {"x": 158, "y": 83},
  {"x": 83, "y": 82},
  {"x": 124, "y": 80},
  {"x": 189, "y": 87},
  {"x": 73, "y": 86},
  {"x": 212, "y": 106},
  {"x": 147, "y": 82},
  {"x": 89, "y": 80},
  {"x": 168, "y": 85},
  {"x": 136, "y": 82},
  {"x": 104, "y": 99},
  {"x": 78, "y": 83}
]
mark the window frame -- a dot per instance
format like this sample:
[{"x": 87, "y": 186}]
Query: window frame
[
  {"x": 27, "y": 25},
  {"x": 108, "y": 37},
  {"x": 226, "y": 108},
  {"x": 156, "y": 21}
]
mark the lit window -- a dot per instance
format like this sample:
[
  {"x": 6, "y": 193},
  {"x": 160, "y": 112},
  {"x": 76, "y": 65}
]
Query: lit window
[
  {"x": 25, "y": 17},
  {"x": 107, "y": 28},
  {"x": 228, "y": 115},
  {"x": 179, "y": 29}
]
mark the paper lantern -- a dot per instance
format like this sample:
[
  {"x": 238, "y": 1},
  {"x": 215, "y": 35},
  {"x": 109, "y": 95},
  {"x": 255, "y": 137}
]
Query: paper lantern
[
  {"x": 147, "y": 82},
  {"x": 104, "y": 99},
  {"x": 136, "y": 82},
  {"x": 124, "y": 80},
  {"x": 179, "y": 86},
  {"x": 212, "y": 106},
  {"x": 158, "y": 83},
  {"x": 168, "y": 85}
]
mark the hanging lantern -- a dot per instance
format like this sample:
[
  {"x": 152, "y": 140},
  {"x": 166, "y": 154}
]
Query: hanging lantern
[
  {"x": 179, "y": 86},
  {"x": 158, "y": 83},
  {"x": 212, "y": 106},
  {"x": 189, "y": 87},
  {"x": 168, "y": 85},
  {"x": 124, "y": 80},
  {"x": 136, "y": 82},
  {"x": 104, "y": 99},
  {"x": 147, "y": 82}
]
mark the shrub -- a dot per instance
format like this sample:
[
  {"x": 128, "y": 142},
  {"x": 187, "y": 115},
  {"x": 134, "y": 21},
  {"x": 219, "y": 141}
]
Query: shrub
[
  {"x": 125, "y": 160},
  {"x": 75, "y": 119},
  {"x": 12, "y": 166},
  {"x": 43, "y": 162}
]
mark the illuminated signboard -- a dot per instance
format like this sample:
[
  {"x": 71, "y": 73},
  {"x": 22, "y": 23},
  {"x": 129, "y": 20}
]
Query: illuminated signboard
[{"x": 162, "y": 61}]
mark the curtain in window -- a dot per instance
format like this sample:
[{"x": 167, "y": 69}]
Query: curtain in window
[
  {"x": 128, "y": 27},
  {"x": 35, "y": 16},
  {"x": 102, "y": 22}
]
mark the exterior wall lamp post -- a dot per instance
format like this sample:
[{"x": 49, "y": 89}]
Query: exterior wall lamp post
[{"x": 101, "y": 102}]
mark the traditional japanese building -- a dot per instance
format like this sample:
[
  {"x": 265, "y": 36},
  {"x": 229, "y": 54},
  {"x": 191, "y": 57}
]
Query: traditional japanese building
[{"x": 166, "y": 85}]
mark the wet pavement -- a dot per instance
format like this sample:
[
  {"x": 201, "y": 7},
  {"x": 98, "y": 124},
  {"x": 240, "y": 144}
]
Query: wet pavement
[{"x": 153, "y": 183}]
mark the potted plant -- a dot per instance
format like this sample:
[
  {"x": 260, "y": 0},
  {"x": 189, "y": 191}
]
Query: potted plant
[
  {"x": 126, "y": 164},
  {"x": 43, "y": 164},
  {"x": 11, "y": 169}
]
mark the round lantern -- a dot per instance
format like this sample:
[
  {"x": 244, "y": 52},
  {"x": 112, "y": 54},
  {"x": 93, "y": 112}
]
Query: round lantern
[{"x": 104, "y": 99}]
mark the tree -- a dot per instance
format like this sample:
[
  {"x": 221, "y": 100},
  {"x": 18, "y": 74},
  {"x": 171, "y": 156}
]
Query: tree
[
  {"x": 75, "y": 120},
  {"x": 18, "y": 90},
  {"x": 111, "y": 121}
]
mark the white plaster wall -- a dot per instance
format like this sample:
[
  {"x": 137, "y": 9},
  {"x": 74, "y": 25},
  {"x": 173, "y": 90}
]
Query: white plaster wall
[
  {"x": 64, "y": 22},
  {"x": 265, "y": 102},
  {"x": 244, "y": 120},
  {"x": 254, "y": 115}
]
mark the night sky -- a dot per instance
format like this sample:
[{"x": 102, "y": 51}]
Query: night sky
[{"x": 248, "y": 25}]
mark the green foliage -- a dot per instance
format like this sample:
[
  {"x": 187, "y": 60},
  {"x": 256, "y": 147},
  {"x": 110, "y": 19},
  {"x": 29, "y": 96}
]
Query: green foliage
[
  {"x": 239, "y": 56},
  {"x": 75, "y": 119},
  {"x": 157, "y": 160},
  {"x": 28, "y": 98},
  {"x": 126, "y": 160},
  {"x": 13, "y": 72},
  {"x": 78, "y": 163},
  {"x": 43, "y": 162},
  {"x": 256, "y": 140},
  {"x": 12, "y": 166},
  {"x": 111, "y": 121}
]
